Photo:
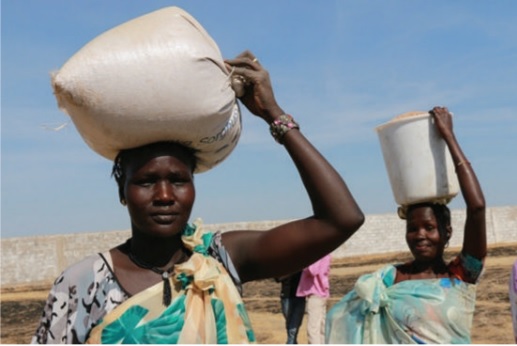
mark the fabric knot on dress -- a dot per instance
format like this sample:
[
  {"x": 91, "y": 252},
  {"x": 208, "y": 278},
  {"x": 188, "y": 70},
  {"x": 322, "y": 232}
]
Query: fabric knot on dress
[
  {"x": 196, "y": 239},
  {"x": 201, "y": 270},
  {"x": 198, "y": 273},
  {"x": 372, "y": 291}
]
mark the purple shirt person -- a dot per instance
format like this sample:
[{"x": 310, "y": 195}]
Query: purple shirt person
[{"x": 513, "y": 297}]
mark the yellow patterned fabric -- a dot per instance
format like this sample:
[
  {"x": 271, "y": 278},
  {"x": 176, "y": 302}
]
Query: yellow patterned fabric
[{"x": 206, "y": 306}]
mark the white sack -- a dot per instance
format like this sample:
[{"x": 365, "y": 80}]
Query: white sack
[{"x": 157, "y": 77}]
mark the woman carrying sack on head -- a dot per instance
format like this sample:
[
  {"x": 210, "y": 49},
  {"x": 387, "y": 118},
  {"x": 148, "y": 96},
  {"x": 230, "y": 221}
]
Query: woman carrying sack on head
[{"x": 174, "y": 282}]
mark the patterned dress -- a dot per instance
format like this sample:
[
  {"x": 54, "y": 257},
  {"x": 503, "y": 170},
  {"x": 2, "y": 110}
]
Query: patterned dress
[
  {"x": 380, "y": 311},
  {"x": 87, "y": 304}
]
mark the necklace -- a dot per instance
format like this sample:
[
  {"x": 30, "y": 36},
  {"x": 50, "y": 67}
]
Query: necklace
[{"x": 165, "y": 274}]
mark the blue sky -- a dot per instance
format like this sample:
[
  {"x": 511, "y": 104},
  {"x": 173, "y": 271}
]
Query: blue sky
[{"x": 340, "y": 67}]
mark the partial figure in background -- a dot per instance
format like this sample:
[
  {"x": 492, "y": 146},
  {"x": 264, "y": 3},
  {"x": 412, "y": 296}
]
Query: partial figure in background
[
  {"x": 293, "y": 307},
  {"x": 513, "y": 297},
  {"x": 425, "y": 300},
  {"x": 314, "y": 286}
]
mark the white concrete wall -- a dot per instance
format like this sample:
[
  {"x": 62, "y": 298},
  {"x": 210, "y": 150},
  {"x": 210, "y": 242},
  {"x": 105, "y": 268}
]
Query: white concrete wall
[{"x": 39, "y": 260}]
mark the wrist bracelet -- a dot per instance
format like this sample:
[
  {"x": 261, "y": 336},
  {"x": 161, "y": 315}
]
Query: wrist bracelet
[
  {"x": 462, "y": 163},
  {"x": 280, "y": 126},
  {"x": 465, "y": 162}
]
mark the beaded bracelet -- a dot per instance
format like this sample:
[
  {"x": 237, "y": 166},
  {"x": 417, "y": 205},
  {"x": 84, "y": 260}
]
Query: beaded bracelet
[{"x": 280, "y": 126}]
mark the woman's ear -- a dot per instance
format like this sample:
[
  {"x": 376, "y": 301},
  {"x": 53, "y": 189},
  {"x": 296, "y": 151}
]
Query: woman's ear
[
  {"x": 121, "y": 195},
  {"x": 448, "y": 232}
]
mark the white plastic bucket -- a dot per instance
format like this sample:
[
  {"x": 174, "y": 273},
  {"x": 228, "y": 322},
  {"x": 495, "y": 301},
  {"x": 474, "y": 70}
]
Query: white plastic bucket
[{"x": 419, "y": 165}]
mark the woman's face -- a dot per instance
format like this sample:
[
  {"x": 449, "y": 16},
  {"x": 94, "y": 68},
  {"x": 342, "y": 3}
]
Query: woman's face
[
  {"x": 159, "y": 190},
  {"x": 422, "y": 234}
]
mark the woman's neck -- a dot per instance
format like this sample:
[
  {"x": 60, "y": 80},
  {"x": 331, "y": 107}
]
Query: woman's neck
[
  {"x": 436, "y": 266},
  {"x": 156, "y": 251}
]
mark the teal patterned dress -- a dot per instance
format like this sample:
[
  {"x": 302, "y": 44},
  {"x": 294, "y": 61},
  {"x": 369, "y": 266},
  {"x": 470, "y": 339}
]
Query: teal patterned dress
[{"x": 380, "y": 311}]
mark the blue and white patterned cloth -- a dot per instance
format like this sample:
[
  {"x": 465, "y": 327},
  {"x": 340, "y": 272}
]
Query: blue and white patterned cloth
[{"x": 378, "y": 311}]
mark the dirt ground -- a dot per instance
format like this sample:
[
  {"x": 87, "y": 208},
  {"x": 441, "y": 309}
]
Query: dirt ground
[{"x": 21, "y": 307}]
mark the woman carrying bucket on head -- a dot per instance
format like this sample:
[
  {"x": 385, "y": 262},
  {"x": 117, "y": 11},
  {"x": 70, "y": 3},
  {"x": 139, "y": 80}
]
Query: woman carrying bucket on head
[{"x": 425, "y": 300}]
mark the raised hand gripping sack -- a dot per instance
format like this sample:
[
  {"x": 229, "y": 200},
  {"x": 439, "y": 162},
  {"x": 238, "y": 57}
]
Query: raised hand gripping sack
[{"x": 158, "y": 77}]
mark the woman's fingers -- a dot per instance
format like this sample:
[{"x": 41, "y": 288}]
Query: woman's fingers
[
  {"x": 245, "y": 60},
  {"x": 443, "y": 119},
  {"x": 243, "y": 69}
]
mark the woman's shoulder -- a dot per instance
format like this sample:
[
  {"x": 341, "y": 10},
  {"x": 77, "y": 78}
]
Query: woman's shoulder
[
  {"x": 90, "y": 281},
  {"x": 91, "y": 267},
  {"x": 466, "y": 268},
  {"x": 83, "y": 293},
  {"x": 219, "y": 252}
]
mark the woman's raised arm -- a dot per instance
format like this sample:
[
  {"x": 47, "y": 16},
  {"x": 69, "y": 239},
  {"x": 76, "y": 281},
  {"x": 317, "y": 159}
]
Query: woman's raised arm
[
  {"x": 474, "y": 241},
  {"x": 336, "y": 215}
]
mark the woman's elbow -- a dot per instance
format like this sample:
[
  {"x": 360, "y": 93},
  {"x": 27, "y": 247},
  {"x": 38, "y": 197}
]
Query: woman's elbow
[
  {"x": 359, "y": 220},
  {"x": 351, "y": 222},
  {"x": 477, "y": 206},
  {"x": 477, "y": 209}
]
